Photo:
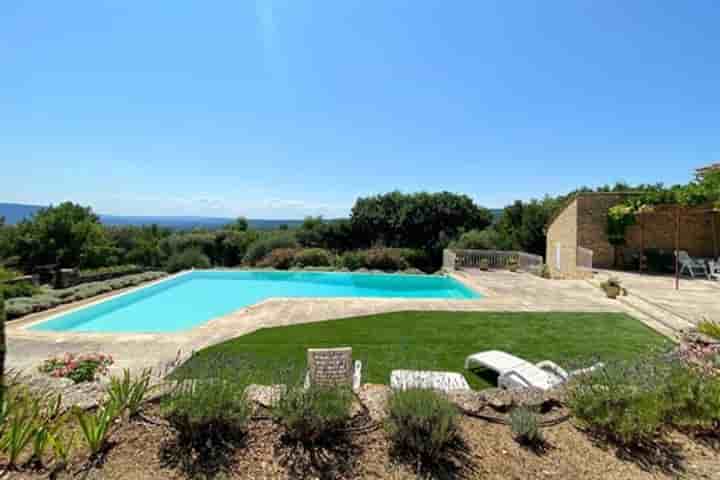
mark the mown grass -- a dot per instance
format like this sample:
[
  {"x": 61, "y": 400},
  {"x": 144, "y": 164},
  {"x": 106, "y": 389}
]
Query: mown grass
[{"x": 431, "y": 341}]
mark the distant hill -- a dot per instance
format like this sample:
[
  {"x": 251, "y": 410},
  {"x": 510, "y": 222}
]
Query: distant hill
[{"x": 16, "y": 212}]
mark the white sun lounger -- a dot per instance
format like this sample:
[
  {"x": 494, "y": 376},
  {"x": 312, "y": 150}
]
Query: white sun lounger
[{"x": 515, "y": 372}]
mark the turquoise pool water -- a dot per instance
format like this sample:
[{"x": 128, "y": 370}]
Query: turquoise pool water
[{"x": 188, "y": 300}]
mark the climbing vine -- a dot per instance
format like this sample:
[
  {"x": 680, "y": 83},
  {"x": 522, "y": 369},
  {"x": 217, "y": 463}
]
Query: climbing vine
[{"x": 701, "y": 191}]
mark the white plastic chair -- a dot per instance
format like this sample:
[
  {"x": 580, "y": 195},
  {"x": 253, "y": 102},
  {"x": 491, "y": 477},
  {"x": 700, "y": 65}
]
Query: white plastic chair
[{"x": 689, "y": 264}]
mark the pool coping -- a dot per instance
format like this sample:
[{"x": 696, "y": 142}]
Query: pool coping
[{"x": 23, "y": 327}]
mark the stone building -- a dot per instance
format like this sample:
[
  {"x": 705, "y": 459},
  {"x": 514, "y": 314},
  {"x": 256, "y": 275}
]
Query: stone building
[{"x": 581, "y": 227}]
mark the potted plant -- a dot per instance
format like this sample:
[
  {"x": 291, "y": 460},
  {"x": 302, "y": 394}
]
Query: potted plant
[
  {"x": 612, "y": 287},
  {"x": 512, "y": 264},
  {"x": 484, "y": 264}
]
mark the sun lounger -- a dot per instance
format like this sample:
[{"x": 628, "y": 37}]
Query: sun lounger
[{"x": 515, "y": 372}]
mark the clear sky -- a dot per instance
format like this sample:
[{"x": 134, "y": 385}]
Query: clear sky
[{"x": 283, "y": 108}]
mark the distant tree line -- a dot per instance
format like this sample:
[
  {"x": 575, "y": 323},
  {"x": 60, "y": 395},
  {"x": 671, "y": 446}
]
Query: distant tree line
[{"x": 71, "y": 235}]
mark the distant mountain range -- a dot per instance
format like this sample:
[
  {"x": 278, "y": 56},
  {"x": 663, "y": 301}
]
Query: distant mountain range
[{"x": 16, "y": 212}]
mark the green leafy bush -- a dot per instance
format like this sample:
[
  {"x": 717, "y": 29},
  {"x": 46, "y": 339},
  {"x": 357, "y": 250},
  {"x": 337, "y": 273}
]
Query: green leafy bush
[
  {"x": 187, "y": 259},
  {"x": 709, "y": 328},
  {"x": 422, "y": 423},
  {"x": 19, "y": 289},
  {"x": 280, "y": 258},
  {"x": 386, "y": 259},
  {"x": 524, "y": 424},
  {"x": 693, "y": 398},
  {"x": 313, "y": 257},
  {"x": 260, "y": 248},
  {"x": 211, "y": 411},
  {"x": 309, "y": 415},
  {"x": 353, "y": 260}
]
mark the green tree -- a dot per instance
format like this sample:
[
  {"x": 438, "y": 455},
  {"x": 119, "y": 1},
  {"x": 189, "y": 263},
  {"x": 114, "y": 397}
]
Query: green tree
[
  {"x": 420, "y": 220},
  {"x": 68, "y": 235},
  {"x": 241, "y": 225}
]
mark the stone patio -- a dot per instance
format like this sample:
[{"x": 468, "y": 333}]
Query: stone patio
[{"x": 503, "y": 291}]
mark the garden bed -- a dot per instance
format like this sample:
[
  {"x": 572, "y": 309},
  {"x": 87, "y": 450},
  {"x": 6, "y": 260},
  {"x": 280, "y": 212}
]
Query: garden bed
[{"x": 144, "y": 449}]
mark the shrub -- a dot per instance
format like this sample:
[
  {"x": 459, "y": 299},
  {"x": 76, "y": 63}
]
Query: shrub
[
  {"x": 313, "y": 257},
  {"x": 487, "y": 239},
  {"x": 21, "y": 416},
  {"x": 422, "y": 423},
  {"x": 127, "y": 393},
  {"x": 105, "y": 273},
  {"x": 309, "y": 415},
  {"x": 417, "y": 259},
  {"x": 386, "y": 259},
  {"x": 353, "y": 260},
  {"x": 709, "y": 328},
  {"x": 82, "y": 368},
  {"x": 280, "y": 258},
  {"x": 524, "y": 424},
  {"x": 95, "y": 426},
  {"x": 631, "y": 402},
  {"x": 260, "y": 248},
  {"x": 18, "y": 307},
  {"x": 187, "y": 259},
  {"x": 693, "y": 398},
  {"x": 19, "y": 289},
  {"x": 205, "y": 412}
]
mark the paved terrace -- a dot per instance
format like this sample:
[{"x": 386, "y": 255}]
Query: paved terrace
[{"x": 504, "y": 291}]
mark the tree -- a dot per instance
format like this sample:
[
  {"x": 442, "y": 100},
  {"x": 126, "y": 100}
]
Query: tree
[
  {"x": 420, "y": 220},
  {"x": 68, "y": 235},
  {"x": 241, "y": 225},
  {"x": 2, "y": 345}
]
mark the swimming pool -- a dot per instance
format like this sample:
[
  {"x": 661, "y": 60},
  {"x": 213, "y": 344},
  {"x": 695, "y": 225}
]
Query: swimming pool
[{"x": 191, "y": 299}]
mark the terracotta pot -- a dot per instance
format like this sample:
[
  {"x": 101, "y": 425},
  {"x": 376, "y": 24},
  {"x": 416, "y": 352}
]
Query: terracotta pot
[{"x": 612, "y": 292}]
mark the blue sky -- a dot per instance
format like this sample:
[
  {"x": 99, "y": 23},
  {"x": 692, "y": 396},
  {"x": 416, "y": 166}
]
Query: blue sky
[{"x": 283, "y": 108}]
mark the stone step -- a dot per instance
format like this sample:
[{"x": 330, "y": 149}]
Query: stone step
[{"x": 660, "y": 315}]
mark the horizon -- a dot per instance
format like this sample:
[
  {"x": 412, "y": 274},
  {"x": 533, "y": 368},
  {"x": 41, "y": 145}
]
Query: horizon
[{"x": 279, "y": 110}]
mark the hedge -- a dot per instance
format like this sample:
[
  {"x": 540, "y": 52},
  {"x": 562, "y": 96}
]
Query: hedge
[{"x": 18, "y": 307}]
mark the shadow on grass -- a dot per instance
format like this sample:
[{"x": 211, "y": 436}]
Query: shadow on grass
[
  {"x": 201, "y": 460},
  {"x": 334, "y": 456},
  {"x": 454, "y": 461}
]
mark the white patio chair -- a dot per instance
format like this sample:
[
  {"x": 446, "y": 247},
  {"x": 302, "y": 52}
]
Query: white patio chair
[
  {"x": 515, "y": 372},
  {"x": 691, "y": 265},
  {"x": 714, "y": 269}
]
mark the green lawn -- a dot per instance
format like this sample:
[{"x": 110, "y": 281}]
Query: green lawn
[{"x": 432, "y": 341}]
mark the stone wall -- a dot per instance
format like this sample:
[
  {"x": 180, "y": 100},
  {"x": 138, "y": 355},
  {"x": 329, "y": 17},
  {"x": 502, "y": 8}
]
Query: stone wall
[
  {"x": 658, "y": 230},
  {"x": 562, "y": 237},
  {"x": 583, "y": 222},
  {"x": 592, "y": 225}
]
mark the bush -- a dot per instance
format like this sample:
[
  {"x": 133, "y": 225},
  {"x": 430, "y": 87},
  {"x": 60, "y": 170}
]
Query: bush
[
  {"x": 631, "y": 402},
  {"x": 309, "y": 415},
  {"x": 524, "y": 424},
  {"x": 19, "y": 289},
  {"x": 82, "y": 368},
  {"x": 422, "y": 423},
  {"x": 106, "y": 273},
  {"x": 488, "y": 239},
  {"x": 207, "y": 412},
  {"x": 187, "y": 259},
  {"x": 709, "y": 328},
  {"x": 260, "y": 248},
  {"x": 280, "y": 258},
  {"x": 313, "y": 257},
  {"x": 623, "y": 401},
  {"x": 353, "y": 260},
  {"x": 386, "y": 259},
  {"x": 417, "y": 259},
  {"x": 18, "y": 307}
]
